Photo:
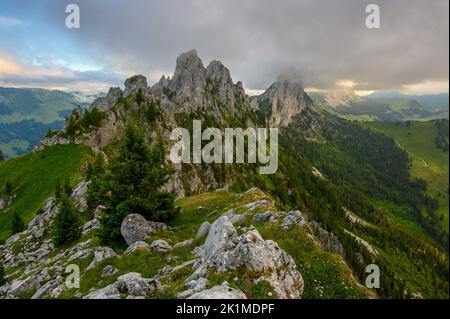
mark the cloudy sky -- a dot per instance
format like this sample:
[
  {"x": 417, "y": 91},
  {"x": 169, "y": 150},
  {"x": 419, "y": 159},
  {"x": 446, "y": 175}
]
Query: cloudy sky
[{"x": 326, "y": 41}]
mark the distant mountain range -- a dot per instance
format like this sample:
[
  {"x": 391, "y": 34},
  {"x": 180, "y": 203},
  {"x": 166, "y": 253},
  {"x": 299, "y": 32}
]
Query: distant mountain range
[
  {"x": 27, "y": 114},
  {"x": 438, "y": 101},
  {"x": 383, "y": 106}
]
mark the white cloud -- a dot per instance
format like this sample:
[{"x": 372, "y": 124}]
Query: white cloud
[{"x": 10, "y": 22}]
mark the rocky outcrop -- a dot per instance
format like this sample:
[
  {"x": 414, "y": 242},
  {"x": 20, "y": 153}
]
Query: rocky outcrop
[
  {"x": 106, "y": 103},
  {"x": 134, "y": 84},
  {"x": 224, "y": 250},
  {"x": 329, "y": 241},
  {"x": 51, "y": 141}
]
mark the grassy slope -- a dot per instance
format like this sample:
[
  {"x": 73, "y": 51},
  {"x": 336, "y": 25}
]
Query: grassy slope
[
  {"x": 428, "y": 162},
  {"x": 325, "y": 274},
  {"x": 34, "y": 177}
]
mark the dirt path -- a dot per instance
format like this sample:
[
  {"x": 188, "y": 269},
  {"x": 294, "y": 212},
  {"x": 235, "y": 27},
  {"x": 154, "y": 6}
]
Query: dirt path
[{"x": 414, "y": 155}]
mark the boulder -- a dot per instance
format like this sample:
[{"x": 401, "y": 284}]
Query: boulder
[
  {"x": 220, "y": 292},
  {"x": 161, "y": 246},
  {"x": 135, "y": 228}
]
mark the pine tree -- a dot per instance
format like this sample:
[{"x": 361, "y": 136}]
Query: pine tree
[
  {"x": 135, "y": 178},
  {"x": 66, "y": 226},
  {"x": 17, "y": 223},
  {"x": 2, "y": 157},
  {"x": 2, "y": 275}
]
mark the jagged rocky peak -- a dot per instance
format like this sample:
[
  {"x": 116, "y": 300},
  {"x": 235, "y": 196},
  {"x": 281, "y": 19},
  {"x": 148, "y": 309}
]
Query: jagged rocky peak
[
  {"x": 194, "y": 84},
  {"x": 286, "y": 98},
  {"x": 134, "y": 83},
  {"x": 189, "y": 78}
]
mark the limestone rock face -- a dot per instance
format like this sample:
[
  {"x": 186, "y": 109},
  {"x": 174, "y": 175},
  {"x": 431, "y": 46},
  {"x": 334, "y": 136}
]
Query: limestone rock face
[
  {"x": 219, "y": 292},
  {"x": 285, "y": 98},
  {"x": 189, "y": 79},
  {"x": 135, "y": 228},
  {"x": 230, "y": 94},
  {"x": 225, "y": 251},
  {"x": 133, "y": 84}
]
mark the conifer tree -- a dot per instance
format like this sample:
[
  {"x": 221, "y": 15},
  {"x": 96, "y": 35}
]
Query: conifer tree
[
  {"x": 2, "y": 275},
  {"x": 17, "y": 223},
  {"x": 66, "y": 226},
  {"x": 134, "y": 179}
]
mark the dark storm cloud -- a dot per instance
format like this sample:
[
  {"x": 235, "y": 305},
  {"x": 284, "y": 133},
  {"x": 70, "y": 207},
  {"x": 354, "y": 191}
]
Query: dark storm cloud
[{"x": 326, "y": 41}]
